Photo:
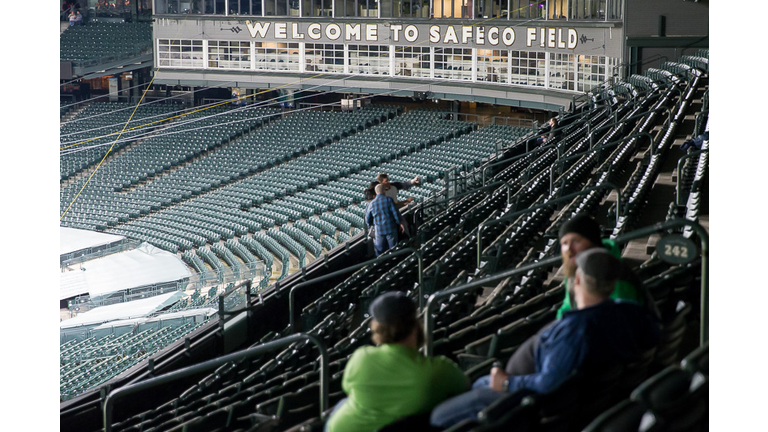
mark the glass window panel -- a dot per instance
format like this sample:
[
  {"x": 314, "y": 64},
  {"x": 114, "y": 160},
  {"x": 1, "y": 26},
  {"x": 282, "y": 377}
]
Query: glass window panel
[
  {"x": 412, "y": 61},
  {"x": 324, "y": 58},
  {"x": 180, "y": 53},
  {"x": 369, "y": 59},
  {"x": 453, "y": 63},
  {"x": 493, "y": 65}
]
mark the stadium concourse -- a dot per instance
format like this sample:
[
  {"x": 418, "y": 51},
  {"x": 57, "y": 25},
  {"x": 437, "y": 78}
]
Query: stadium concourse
[{"x": 275, "y": 256}]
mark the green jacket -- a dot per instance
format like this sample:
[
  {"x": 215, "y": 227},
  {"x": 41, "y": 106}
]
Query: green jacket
[
  {"x": 627, "y": 290},
  {"x": 392, "y": 381}
]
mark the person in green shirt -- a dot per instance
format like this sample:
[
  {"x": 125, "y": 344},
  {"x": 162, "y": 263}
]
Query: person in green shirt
[
  {"x": 582, "y": 233},
  {"x": 392, "y": 380}
]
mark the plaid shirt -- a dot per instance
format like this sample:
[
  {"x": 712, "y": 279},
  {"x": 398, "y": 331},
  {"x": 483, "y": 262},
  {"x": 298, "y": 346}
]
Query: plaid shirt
[{"x": 382, "y": 214}]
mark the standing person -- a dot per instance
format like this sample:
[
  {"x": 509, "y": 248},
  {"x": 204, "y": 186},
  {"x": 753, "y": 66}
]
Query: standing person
[
  {"x": 393, "y": 380},
  {"x": 597, "y": 331},
  {"x": 72, "y": 18},
  {"x": 78, "y": 18},
  {"x": 382, "y": 214},
  {"x": 393, "y": 187}
]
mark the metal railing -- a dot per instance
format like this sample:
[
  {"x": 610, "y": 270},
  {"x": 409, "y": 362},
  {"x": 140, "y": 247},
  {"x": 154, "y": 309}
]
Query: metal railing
[
  {"x": 95, "y": 252},
  {"x": 248, "y": 271},
  {"x": 643, "y": 232},
  {"x": 679, "y": 185},
  {"x": 350, "y": 269},
  {"x": 526, "y": 123},
  {"x": 568, "y": 197},
  {"x": 114, "y": 395}
]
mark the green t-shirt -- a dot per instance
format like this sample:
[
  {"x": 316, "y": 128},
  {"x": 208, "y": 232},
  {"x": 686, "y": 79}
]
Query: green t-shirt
[
  {"x": 392, "y": 381},
  {"x": 624, "y": 289}
]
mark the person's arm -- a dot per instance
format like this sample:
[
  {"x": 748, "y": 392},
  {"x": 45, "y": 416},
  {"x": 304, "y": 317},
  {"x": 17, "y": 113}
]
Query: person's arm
[
  {"x": 393, "y": 211},
  {"x": 449, "y": 377},
  {"x": 369, "y": 215},
  {"x": 565, "y": 353}
]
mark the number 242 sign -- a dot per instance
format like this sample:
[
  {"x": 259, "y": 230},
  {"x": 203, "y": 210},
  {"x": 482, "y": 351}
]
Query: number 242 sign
[{"x": 676, "y": 249}]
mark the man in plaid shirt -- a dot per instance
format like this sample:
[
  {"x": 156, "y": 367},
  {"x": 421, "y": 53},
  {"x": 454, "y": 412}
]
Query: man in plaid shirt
[{"x": 382, "y": 214}]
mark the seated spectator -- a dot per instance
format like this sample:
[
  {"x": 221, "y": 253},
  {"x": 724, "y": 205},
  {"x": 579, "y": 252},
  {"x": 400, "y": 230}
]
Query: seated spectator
[
  {"x": 544, "y": 138},
  {"x": 393, "y": 380},
  {"x": 582, "y": 233},
  {"x": 598, "y": 331},
  {"x": 695, "y": 142}
]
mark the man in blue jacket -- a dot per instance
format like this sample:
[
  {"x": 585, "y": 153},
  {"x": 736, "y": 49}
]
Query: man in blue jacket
[
  {"x": 598, "y": 330},
  {"x": 382, "y": 214}
]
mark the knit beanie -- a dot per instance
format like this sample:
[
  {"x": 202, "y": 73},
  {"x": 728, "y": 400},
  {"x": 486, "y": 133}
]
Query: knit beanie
[{"x": 583, "y": 225}]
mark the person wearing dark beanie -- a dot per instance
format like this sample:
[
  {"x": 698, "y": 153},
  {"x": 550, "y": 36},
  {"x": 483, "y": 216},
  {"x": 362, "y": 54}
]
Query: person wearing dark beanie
[{"x": 581, "y": 233}]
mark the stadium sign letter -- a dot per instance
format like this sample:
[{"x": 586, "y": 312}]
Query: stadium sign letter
[
  {"x": 434, "y": 33},
  {"x": 493, "y": 35},
  {"x": 314, "y": 31},
  {"x": 411, "y": 33},
  {"x": 371, "y": 33},
  {"x": 295, "y": 31},
  {"x": 352, "y": 30},
  {"x": 259, "y": 27},
  {"x": 396, "y": 31},
  {"x": 281, "y": 30}
]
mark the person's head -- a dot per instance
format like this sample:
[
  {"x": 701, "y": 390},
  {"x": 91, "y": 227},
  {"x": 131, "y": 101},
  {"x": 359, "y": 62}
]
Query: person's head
[
  {"x": 577, "y": 235},
  {"x": 553, "y": 122},
  {"x": 380, "y": 189},
  {"x": 395, "y": 320},
  {"x": 596, "y": 274},
  {"x": 383, "y": 178},
  {"x": 370, "y": 192}
]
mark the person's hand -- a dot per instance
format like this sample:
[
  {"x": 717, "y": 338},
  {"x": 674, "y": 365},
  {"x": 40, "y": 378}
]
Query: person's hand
[
  {"x": 416, "y": 180},
  {"x": 402, "y": 228},
  {"x": 409, "y": 199},
  {"x": 498, "y": 376}
]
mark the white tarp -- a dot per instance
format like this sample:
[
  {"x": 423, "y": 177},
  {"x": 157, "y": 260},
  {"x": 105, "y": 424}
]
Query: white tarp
[
  {"x": 72, "y": 284},
  {"x": 143, "y": 266},
  {"x": 72, "y": 239},
  {"x": 122, "y": 311}
]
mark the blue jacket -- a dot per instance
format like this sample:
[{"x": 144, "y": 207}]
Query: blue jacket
[
  {"x": 604, "y": 333},
  {"x": 382, "y": 213}
]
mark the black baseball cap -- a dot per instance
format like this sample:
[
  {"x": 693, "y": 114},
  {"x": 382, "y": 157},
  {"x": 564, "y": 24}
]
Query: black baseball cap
[{"x": 393, "y": 306}]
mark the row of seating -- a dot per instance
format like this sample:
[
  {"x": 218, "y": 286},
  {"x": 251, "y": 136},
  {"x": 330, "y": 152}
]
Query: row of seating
[
  {"x": 93, "y": 361},
  {"x": 97, "y": 40}
]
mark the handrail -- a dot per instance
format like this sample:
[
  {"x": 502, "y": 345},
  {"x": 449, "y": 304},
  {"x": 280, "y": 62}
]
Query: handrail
[
  {"x": 704, "y": 237},
  {"x": 516, "y": 157},
  {"x": 633, "y": 117},
  {"x": 485, "y": 224},
  {"x": 535, "y": 149},
  {"x": 292, "y": 292},
  {"x": 213, "y": 363},
  {"x": 423, "y": 205},
  {"x": 678, "y": 187},
  {"x": 600, "y": 147},
  {"x": 428, "y": 324}
]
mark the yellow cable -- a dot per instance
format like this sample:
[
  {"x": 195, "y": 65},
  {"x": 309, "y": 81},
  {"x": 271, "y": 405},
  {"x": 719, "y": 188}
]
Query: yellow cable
[
  {"x": 246, "y": 96},
  {"x": 110, "y": 148}
]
